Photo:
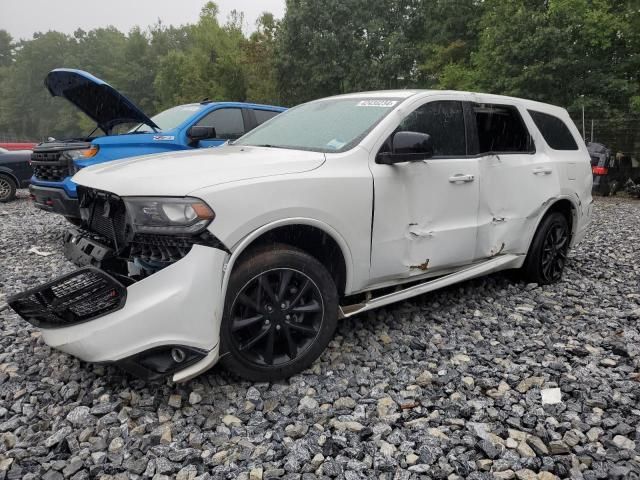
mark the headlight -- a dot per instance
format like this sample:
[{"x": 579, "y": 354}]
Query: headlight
[
  {"x": 83, "y": 153},
  {"x": 168, "y": 215}
]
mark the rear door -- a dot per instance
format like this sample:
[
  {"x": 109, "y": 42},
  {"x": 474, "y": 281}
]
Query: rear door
[
  {"x": 517, "y": 177},
  {"x": 228, "y": 122},
  {"x": 258, "y": 116}
]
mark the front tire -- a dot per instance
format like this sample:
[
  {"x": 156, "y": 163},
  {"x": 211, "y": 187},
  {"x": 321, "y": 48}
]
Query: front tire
[
  {"x": 7, "y": 188},
  {"x": 281, "y": 311},
  {"x": 548, "y": 252}
]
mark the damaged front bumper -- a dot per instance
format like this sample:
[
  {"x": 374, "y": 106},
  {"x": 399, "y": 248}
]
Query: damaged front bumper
[{"x": 165, "y": 324}]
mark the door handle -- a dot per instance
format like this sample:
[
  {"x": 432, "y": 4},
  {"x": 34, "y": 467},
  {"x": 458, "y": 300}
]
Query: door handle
[
  {"x": 461, "y": 178},
  {"x": 542, "y": 171}
]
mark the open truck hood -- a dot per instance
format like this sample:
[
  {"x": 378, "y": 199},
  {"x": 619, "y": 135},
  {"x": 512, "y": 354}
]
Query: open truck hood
[{"x": 99, "y": 100}]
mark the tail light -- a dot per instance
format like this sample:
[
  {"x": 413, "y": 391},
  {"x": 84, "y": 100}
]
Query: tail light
[{"x": 599, "y": 170}]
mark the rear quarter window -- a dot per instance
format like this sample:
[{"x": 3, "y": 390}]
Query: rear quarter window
[
  {"x": 264, "y": 115},
  {"x": 555, "y": 131}
]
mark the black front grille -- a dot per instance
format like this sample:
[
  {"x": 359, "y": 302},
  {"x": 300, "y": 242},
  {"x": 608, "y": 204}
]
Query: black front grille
[
  {"x": 169, "y": 248},
  {"x": 105, "y": 214},
  {"x": 50, "y": 166},
  {"x": 161, "y": 248},
  {"x": 78, "y": 297}
]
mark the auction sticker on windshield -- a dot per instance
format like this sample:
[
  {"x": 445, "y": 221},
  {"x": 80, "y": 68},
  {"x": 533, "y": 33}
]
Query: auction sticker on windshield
[{"x": 377, "y": 103}]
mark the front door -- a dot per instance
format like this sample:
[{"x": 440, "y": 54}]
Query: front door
[
  {"x": 229, "y": 125},
  {"x": 425, "y": 212}
]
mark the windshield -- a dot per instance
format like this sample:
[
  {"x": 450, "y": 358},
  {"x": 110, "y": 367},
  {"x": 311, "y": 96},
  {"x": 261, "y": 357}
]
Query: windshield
[
  {"x": 169, "y": 119},
  {"x": 333, "y": 125}
]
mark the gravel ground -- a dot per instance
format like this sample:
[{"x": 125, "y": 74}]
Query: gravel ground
[{"x": 461, "y": 383}]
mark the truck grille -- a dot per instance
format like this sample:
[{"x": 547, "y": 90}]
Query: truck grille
[
  {"x": 78, "y": 297},
  {"x": 50, "y": 166}
]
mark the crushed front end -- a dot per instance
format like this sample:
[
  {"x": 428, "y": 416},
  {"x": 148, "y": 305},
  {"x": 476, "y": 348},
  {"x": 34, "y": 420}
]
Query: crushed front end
[{"x": 147, "y": 296}]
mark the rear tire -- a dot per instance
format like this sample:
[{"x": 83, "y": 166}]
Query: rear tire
[
  {"x": 7, "y": 188},
  {"x": 281, "y": 311},
  {"x": 547, "y": 254}
]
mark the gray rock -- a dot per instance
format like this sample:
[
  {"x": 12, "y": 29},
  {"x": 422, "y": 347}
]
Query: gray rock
[
  {"x": 296, "y": 430},
  {"x": 623, "y": 442},
  {"x": 308, "y": 404},
  {"x": 80, "y": 416},
  {"x": 57, "y": 437},
  {"x": 73, "y": 466},
  {"x": 344, "y": 403}
]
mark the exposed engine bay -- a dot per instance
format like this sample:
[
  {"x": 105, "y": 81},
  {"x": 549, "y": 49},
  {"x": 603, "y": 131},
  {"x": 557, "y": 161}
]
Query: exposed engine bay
[{"x": 107, "y": 239}]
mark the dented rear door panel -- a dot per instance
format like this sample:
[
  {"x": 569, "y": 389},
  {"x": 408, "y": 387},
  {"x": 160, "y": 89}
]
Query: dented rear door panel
[{"x": 514, "y": 189}]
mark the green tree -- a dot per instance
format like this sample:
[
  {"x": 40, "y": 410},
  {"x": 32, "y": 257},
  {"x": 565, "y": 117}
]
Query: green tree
[
  {"x": 325, "y": 48},
  {"x": 449, "y": 38},
  {"x": 260, "y": 61},
  {"x": 27, "y": 109},
  {"x": 210, "y": 66},
  {"x": 574, "y": 53},
  {"x": 6, "y": 49}
]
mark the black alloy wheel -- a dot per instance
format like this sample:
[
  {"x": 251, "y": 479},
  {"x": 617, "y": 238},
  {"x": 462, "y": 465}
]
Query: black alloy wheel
[
  {"x": 554, "y": 252},
  {"x": 281, "y": 312},
  {"x": 276, "y": 316},
  {"x": 548, "y": 251}
]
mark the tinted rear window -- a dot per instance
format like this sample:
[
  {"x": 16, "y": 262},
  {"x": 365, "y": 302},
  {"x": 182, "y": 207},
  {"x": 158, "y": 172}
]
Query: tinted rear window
[
  {"x": 555, "y": 132},
  {"x": 501, "y": 129}
]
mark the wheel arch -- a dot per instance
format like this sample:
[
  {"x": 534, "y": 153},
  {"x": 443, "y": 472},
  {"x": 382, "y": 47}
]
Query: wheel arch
[
  {"x": 315, "y": 237},
  {"x": 565, "y": 205},
  {"x": 10, "y": 174}
]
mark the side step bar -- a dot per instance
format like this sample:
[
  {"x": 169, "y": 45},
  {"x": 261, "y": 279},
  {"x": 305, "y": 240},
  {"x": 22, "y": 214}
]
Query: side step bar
[{"x": 497, "y": 263}]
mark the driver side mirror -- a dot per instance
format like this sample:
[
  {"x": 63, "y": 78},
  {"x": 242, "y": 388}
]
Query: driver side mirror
[
  {"x": 197, "y": 133},
  {"x": 407, "y": 147}
]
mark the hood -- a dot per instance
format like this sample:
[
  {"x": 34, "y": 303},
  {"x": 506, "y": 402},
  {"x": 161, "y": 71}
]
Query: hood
[
  {"x": 99, "y": 100},
  {"x": 178, "y": 174}
]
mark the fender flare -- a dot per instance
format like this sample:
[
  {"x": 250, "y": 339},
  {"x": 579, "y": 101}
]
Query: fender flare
[
  {"x": 242, "y": 245},
  {"x": 8, "y": 172},
  {"x": 544, "y": 209}
]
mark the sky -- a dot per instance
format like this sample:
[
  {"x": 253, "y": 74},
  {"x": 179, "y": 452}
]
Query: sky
[{"x": 21, "y": 18}]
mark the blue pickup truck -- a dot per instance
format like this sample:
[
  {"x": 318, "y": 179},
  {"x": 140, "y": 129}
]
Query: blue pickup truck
[{"x": 196, "y": 125}]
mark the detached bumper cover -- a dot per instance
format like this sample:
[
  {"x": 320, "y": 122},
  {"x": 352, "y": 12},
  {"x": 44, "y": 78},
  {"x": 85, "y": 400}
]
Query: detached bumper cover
[{"x": 179, "y": 305}]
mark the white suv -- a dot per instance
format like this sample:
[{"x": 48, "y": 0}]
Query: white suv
[{"x": 250, "y": 253}]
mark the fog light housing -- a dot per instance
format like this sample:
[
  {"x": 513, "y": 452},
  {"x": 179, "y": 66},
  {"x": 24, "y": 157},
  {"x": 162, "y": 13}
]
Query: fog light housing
[{"x": 162, "y": 361}]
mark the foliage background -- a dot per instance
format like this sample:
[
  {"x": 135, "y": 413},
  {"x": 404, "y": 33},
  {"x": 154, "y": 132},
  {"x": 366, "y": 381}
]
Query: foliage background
[{"x": 574, "y": 53}]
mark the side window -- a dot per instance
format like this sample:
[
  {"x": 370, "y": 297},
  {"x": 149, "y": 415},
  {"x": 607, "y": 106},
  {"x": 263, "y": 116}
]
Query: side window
[
  {"x": 501, "y": 129},
  {"x": 554, "y": 131},
  {"x": 264, "y": 115},
  {"x": 444, "y": 122},
  {"x": 227, "y": 122}
]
